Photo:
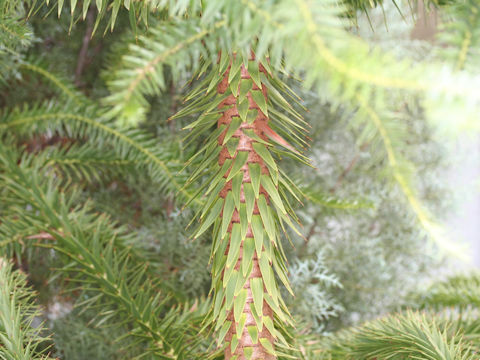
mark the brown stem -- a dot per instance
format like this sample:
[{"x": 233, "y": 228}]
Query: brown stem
[
  {"x": 259, "y": 126},
  {"x": 82, "y": 55},
  {"x": 312, "y": 231},
  {"x": 348, "y": 169}
]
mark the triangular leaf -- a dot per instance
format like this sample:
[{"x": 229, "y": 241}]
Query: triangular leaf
[
  {"x": 237, "y": 188},
  {"x": 269, "y": 325},
  {"x": 230, "y": 290},
  {"x": 256, "y": 285},
  {"x": 282, "y": 277},
  {"x": 258, "y": 318},
  {"x": 255, "y": 171},
  {"x": 218, "y": 302},
  {"x": 257, "y": 228},
  {"x": 253, "y": 332},
  {"x": 234, "y": 125},
  {"x": 268, "y": 346},
  {"x": 245, "y": 87},
  {"x": 267, "y": 274},
  {"x": 254, "y": 73},
  {"x": 235, "y": 242},
  {"x": 260, "y": 100},
  {"x": 228, "y": 209},
  {"x": 212, "y": 216},
  {"x": 234, "y": 343},
  {"x": 249, "y": 199},
  {"x": 243, "y": 219},
  {"x": 232, "y": 146},
  {"x": 241, "y": 280},
  {"x": 241, "y": 323},
  {"x": 251, "y": 115},
  {"x": 273, "y": 192},
  {"x": 234, "y": 68},
  {"x": 247, "y": 352},
  {"x": 242, "y": 108},
  {"x": 239, "y": 304},
  {"x": 234, "y": 84},
  {"x": 268, "y": 222},
  {"x": 221, "y": 318},
  {"x": 248, "y": 250},
  {"x": 240, "y": 160},
  {"x": 265, "y": 155},
  {"x": 223, "y": 331}
]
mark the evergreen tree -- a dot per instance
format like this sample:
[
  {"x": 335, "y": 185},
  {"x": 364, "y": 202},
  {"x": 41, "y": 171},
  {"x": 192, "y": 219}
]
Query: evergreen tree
[{"x": 103, "y": 172}]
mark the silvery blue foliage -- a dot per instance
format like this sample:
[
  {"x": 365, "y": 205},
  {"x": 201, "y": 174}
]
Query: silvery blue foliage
[{"x": 313, "y": 283}]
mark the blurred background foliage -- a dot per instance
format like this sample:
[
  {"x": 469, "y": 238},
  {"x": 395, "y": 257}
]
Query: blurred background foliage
[{"x": 365, "y": 252}]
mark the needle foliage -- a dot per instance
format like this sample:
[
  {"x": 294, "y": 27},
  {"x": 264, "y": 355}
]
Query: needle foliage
[{"x": 231, "y": 179}]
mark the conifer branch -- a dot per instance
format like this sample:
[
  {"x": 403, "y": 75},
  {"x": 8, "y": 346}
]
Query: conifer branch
[
  {"x": 246, "y": 201},
  {"x": 94, "y": 253},
  {"x": 66, "y": 88},
  {"x": 142, "y": 70},
  {"x": 460, "y": 34},
  {"x": 459, "y": 291},
  {"x": 404, "y": 335},
  {"x": 19, "y": 339},
  {"x": 398, "y": 171},
  {"x": 85, "y": 122}
]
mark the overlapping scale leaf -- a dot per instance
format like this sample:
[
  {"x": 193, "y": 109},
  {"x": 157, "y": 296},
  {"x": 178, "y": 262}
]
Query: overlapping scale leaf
[{"x": 247, "y": 198}]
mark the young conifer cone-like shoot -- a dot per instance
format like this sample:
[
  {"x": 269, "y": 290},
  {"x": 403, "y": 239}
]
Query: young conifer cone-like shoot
[
  {"x": 247, "y": 338},
  {"x": 246, "y": 201}
]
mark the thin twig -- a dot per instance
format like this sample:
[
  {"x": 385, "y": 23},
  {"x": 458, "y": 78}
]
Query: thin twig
[
  {"x": 348, "y": 169},
  {"x": 82, "y": 55},
  {"x": 312, "y": 230}
]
